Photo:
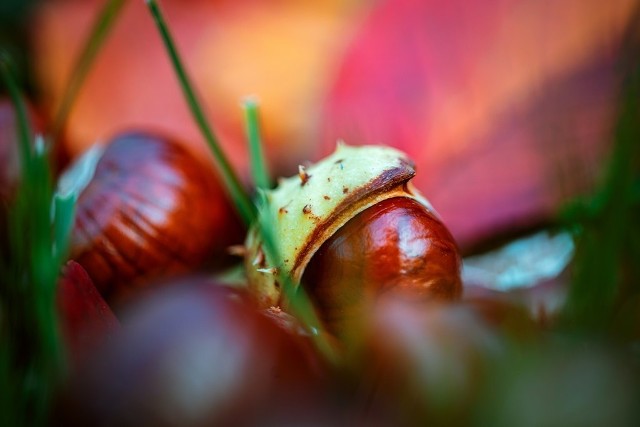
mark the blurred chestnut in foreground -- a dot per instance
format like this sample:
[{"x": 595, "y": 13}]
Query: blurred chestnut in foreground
[
  {"x": 430, "y": 360},
  {"x": 150, "y": 210},
  {"x": 352, "y": 228},
  {"x": 192, "y": 355},
  {"x": 461, "y": 365},
  {"x": 427, "y": 360}
]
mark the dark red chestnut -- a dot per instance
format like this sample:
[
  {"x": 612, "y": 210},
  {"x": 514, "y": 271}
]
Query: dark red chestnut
[
  {"x": 394, "y": 246},
  {"x": 151, "y": 209}
]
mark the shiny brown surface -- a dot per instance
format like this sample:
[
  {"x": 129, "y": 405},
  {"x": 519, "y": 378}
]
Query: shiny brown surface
[
  {"x": 151, "y": 210},
  {"x": 394, "y": 246}
]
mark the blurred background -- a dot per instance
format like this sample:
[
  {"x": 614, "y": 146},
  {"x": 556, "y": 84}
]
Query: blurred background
[
  {"x": 507, "y": 107},
  {"x": 521, "y": 116}
]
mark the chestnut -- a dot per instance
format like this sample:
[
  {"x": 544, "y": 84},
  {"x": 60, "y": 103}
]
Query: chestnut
[
  {"x": 151, "y": 210},
  {"x": 194, "y": 353},
  {"x": 394, "y": 246},
  {"x": 351, "y": 228}
]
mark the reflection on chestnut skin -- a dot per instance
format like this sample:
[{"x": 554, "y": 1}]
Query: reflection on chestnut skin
[
  {"x": 151, "y": 210},
  {"x": 194, "y": 353},
  {"x": 395, "y": 246}
]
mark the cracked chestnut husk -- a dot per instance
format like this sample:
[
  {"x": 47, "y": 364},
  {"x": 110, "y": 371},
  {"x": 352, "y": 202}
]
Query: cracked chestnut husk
[
  {"x": 150, "y": 210},
  {"x": 350, "y": 229}
]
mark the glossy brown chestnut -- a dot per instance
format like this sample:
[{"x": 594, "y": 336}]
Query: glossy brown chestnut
[
  {"x": 151, "y": 210},
  {"x": 394, "y": 246}
]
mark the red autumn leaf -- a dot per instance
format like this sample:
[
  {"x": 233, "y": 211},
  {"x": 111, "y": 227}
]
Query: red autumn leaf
[{"x": 506, "y": 107}]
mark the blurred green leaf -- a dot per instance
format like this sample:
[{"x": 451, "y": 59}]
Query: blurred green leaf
[
  {"x": 608, "y": 223},
  {"x": 30, "y": 349}
]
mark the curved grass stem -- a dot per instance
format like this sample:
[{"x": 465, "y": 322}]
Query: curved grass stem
[
  {"x": 241, "y": 199},
  {"x": 101, "y": 28},
  {"x": 31, "y": 358}
]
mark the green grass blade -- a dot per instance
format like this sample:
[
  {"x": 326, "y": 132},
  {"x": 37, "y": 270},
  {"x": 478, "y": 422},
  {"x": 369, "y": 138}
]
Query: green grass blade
[
  {"x": 101, "y": 28},
  {"x": 259, "y": 171},
  {"x": 63, "y": 219},
  {"x": 31, "y": 351},
  {"x": 241, "y": 199}
]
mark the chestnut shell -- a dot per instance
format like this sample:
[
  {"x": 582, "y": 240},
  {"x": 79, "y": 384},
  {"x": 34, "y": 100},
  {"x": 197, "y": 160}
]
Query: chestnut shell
[{"x": 151, "y": 210}]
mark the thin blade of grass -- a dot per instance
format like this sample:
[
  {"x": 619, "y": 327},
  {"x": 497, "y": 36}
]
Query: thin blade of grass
[
  {"x": 63, "y": 219},
  {"x": 100, "y": 30},
  {"x": 241, "y": 199},
  {"x": 30, "y": 349},
  {"x": 259, "y": 171}
]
